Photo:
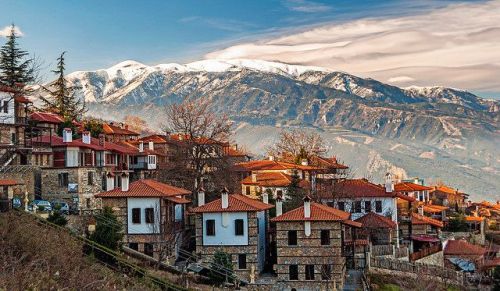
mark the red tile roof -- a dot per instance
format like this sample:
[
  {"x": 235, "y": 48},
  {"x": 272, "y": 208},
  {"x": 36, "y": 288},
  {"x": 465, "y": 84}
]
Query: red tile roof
[
  {"x": 237, "y": 203},
  {"x": 446, "y": 190},
  {"x": 273, "y": 179},
  {"x": 410, "y": 187},
  {"x": 9, "y": 182},
  {"x": 147, "y": 188},
  {"x": 434, "y": 208},
  {"x": 374, "y": 220},
  {"x": 57, "y": 141},
  {"x": 462, "y": 247},
  {"x": 113, "y": 129},
  {"x": 46, "y": 117},
  {"x": 263, "y": 165},
  {"x": 319, "y": 212},
  {"x": 232, "y": 152},
  {"x": 22, "y": 99},
  {"x": 329, "y": 163},
  {"x": 418, "y": 219},
  {"x": 474, "y": 218}
]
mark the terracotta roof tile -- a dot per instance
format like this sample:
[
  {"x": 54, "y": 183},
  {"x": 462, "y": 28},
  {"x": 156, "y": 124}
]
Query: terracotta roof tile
[
  {"x": 262, "y": 165},
  {"x": 462, "y": 247},
  {"x": 434, "y": 208},
  {"x": 418, "y": 219},
  {"x": 374, "y": 220},
  {"x": 273, "y": 179},
  {"x": 57, "y": 141},
  {"x": 113, "y": 129},
  {"x": 319, "y": 212},
  {"x": 46, "y": 117},
  {"x": 354, "y": 188},
  {"x": 22, "y": 99},
  {"x": 410, "y": 187},
  {"x": 237, "y": 203},
  {"x": 147, "y": 188},
  {"x": 474, "y": 218},
  {"x": 9, "y": 182}
]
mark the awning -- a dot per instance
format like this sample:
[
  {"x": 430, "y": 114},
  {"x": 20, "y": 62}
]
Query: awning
[{"x": 425, "y": 238}]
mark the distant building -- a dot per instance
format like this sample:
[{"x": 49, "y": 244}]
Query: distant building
[{"x": 446, "y": 196}]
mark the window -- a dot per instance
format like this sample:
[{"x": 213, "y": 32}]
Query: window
[
  {"x": 134, "y": 246},
  {"x": 210, "y": 225},
  {"x": 90, "y": 178},
  {"x": 326, "y": 272},
  {"x": 242, "y": 261},
  {"x": 5, "y": 106},
  {"x": 150, "y": 215},
  {"x": 238, "y": 227},
  {"x": 325, "y": 237},
  {"x": 279, "y": 193},
  {"x": 63, "y": 179},
  {"x": 136, "y": 215},
  {"x": 357, "y": 206},
  {"x": 247, "y": 190},
  {"x": 293, "y": 271},
  {"x": 148, "y": 249},
  {"x": 368, "y": 206},
  {"x": 309, "y": 272},
  {"x": 342, "y": 206},
  {"x": 378, "y": 206},
  {"x": 292, "y": 237}
]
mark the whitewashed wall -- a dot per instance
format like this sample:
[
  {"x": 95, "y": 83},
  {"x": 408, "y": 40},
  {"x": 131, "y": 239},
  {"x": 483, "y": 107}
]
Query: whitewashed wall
[
  {"x": 224, "y": 232},
  {"x": 143, "y": 227}
]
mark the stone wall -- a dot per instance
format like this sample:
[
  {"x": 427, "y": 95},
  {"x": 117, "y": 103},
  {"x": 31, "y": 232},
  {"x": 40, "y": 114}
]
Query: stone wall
[
  {"x": 23, "y": 174},
  {"x": 251, "y": 250},
  {"x": 309, "y": 251}
]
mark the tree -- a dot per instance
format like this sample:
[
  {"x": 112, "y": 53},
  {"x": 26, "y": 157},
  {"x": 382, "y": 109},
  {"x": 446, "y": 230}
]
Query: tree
[
  {"x": 56, "y": 217},
  {"x": 108, "y": 231},
  {"x": 294, "y": 193},
  {"x": 203, "y": 133},
  {"x": 297, "y": 143},
  {"x": 16, "y": 69},
  {"x": 135, "y": 123},
  {"x": 62, "y": 99},
  {"x": 221, "y": 268},
  {"x": 94, "y": 126}
]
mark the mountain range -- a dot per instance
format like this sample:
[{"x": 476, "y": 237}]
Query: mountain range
[{"x": 435, "y": 133}]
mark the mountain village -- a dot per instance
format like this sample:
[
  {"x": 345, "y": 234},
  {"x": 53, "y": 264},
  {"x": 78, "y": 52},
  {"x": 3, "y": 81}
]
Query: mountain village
[{"x": 294, "y": 220}]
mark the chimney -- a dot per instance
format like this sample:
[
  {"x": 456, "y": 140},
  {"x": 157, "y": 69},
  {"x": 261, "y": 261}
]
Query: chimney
[
  {"x": 265, "y": 197},
  {"x": 279, "y": 205},
  {"x": 110, "y": 181},
  {"x": 304, "y": 162},
  {"x": 67, "y": 135},
  {"x": 102, "y": 139},
  {"x": 271, "y": 158},
  {"x": 225, "y": 198},
  {"x": 201, "y": 196},
  {"x": 421, "y": 210},
  {"x": 476, "y": 213},
  {"x": 126, "y": 126},
  {"x": 141, "y": 146},
  {"x": 125, "y": 182},
  {"x": 307, "y": 207},
  {"x": 254, "y": 177},
  {"x": 86, "y": 137},
  {"x": 389, "y": 184},
  {"x": 151, "y": 146}
]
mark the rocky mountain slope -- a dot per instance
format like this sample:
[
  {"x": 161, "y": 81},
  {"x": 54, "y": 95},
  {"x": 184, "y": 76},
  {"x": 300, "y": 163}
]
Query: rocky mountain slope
[{"x": 433, "y": 126}]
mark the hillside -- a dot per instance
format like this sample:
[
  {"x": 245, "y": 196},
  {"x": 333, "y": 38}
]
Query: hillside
[{"x": 428, "y": 132}]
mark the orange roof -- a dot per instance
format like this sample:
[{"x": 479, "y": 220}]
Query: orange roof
[
  {"x": 113, "y": 129},
  {"x": 262, "y": 165},
  {"x": 273, "y": 179},
  {"x": 329, "y": 163},
  {"x": 474, "y": 218},
  {"x": 237, "y": 203},
  {"x": 352, "y": 188},
  {"x": 22, "y": 99},
  {"x": 434, "y": 208},
  {"x": 374, "y": 220},
  {"x": 146, "y": 188},
  {"x": 410, "y": 187},
  {"x": 447, "y": 190},
  {"x": 462, "y": 247},
  {"x": 319, "y": 212},
  {"x": 421, "y": 219},
  {"x": 46, "y": 117},
  {"x": 232, "y": 152},
  {"x": 8, "y": 182}
]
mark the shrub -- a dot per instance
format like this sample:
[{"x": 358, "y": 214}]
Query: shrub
[{"x": 221, "y": 268}]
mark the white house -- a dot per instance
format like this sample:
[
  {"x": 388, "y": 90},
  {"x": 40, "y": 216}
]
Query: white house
[{"x": 236, "y": 225}]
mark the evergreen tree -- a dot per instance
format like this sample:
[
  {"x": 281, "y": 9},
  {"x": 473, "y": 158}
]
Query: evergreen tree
[
  {"x": 56, "y": 217},
  {"x": 108, "y": 231},
  {"x": 295, "y": 194},
  {"x": 221, "y": 268},
  {"x": 62, "y": 99},
  {"x": 16, "y": 69}
]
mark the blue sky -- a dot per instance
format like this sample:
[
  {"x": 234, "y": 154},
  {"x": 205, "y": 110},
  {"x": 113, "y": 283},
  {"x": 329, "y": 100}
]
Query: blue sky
[{"x": 98, "y": 34}]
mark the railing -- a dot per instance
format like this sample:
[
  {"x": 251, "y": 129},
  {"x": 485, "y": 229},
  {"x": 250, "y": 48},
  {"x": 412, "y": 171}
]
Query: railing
[
  {"x": 382, "y": 250},
  {"x": 425, "y": 252},
  {"x": 401, "y": 252}
]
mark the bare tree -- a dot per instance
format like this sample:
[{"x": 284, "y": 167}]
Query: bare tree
[
  {"x": 298, "y": 143},
  {"x": 203, "y": 134}
]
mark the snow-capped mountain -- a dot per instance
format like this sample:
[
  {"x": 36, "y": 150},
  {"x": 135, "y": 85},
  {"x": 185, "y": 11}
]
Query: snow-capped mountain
[{"x": 414, "y": 129}]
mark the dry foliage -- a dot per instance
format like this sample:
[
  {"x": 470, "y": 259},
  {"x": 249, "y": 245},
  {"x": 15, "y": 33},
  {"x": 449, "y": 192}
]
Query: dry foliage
[
  {"x": 35, "y": 257},
  {"x": 298, "y": 143}
]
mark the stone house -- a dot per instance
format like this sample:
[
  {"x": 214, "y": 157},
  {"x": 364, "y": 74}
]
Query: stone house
[
  {"x": 310, "y": 242},
  {"x": 417, "y": 191},
  {"x": 9, "y": 188},
  {"x": 378, "y": 229},
  {"x": 118, "y": 132},
  {"x": 152, "y": 214},
  {"x": 276, "y": 182},
  {"x": 236, "y": 225},
  {"x": 447, "y": 196},
  {"x": 462, "y": 249}
]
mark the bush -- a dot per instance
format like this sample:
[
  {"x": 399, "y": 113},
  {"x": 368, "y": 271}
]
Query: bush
[
  {"x": 108, "y": 231},
  {"x": 457, "y": 224},
  {"x": 57, "y": 218},
  {"x": 221, "y": 268}
]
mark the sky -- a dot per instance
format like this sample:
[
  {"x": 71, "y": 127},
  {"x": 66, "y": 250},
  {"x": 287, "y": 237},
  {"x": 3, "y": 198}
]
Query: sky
[{"x": 402, "y": 42}]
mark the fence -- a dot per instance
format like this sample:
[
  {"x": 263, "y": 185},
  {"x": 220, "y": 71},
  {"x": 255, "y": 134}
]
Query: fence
[
  {"x": 382, "y": 250},
  {"x": 401, "y": 252},
  {"x": 417, "y": 268},
  {"x": 425, "y": 252}
]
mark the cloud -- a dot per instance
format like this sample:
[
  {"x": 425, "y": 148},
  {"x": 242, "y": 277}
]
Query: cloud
[
  {"x": 6, "y": 31},
  {"x": 458, "y": 46},
  {"x": 306, "y": 6},
  {"x": 217, "y": 23}
]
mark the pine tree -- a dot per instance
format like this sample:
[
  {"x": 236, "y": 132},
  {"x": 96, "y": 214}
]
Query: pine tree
[
  {"x": 16, "y": 69},
  {"x": 221, "y": 268},
  {"x": 62, "y": 99},
  {"x": 294, "y": 193},
  {"x": 108, "y": 231}
]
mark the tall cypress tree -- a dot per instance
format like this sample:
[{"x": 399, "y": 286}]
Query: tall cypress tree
[
  {"x": 295, "y": 193},
  {"x": 16, "y": 69},
  {"x": 62, "y": 97}
]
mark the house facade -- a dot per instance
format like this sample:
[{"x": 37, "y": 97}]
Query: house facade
[
  {"x": 275, "y": 182},
  {"x": 236, "y": 225}
]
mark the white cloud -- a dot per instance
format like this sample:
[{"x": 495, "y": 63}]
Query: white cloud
[
  {"x": 6, "y": 31},
  {"x": 456, "y": 46},
  {"x": 306, "y": 6}
]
